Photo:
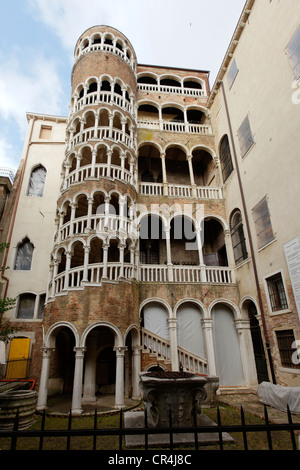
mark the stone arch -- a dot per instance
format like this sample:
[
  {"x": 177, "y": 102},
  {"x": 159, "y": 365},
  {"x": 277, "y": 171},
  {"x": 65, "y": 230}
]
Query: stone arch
[{"x": 119, "y": 340}]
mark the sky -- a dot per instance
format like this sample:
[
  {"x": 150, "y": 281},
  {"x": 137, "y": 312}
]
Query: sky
[{"x": 37, "y": 40}]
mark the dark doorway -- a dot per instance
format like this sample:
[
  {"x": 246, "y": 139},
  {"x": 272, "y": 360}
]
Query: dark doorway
[{"x": 258, "y": 347}]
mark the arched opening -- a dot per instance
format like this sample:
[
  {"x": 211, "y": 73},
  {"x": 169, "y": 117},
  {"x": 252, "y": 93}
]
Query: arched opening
[
  {"x": 77, "y": 258},
  {"x": 81, "y": 206},
  {"x": 149, "y": 167},
  {"x": 258, "y": 346},
  {"x": 148, "y": 112},
  {"x": 100, "y": 363},
  {"x": 147, "y": 80},
  {"x": 169, "y": 81},
  {"x": 101, "y": 155},
  {"x": 61, "y": 376},
  {"x": 172, "y": 114},
  {"x": 177, "y": 168},
  {"x": 86, "y": 156},
  {"x": 214, "y": 249},
  {"x": 227, "y": 347},
  {"x": 152, "y": 241},
  {"x": 89, "y": 120},
  {"x": 184, "y": 248},
  {"x": 203, "y": 167}
]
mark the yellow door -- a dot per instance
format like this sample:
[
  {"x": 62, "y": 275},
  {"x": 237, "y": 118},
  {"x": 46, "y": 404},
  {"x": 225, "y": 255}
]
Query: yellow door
[{"x": 18, "y": 358}]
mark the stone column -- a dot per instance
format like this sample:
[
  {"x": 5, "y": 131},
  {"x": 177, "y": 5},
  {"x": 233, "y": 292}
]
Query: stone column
[
  {"x": 68, "y": 264},
  {"x": 164, "y": 174},
  {"x": 43, "y": 389},
  {"x": 55, "y": 270},
  {"x": 136, "y": 368},
  {"x": 173, "y": 343},
  {"x": 77, "y": 384},
  {"x": 89, "y": 388},
  {"x": 86, "y": 262},
  {"x": 119, "y": 394},
  {"x": 208, "y": 338},
  {"x": 229, "y": 251},
  {"x": 169, "y": 258},
  {"x": 247, "y": 353},
  {"x": 105, "y": 256}
]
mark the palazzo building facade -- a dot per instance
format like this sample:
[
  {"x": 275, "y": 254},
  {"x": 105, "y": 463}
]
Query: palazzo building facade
[{"x": 154, "y": 225}]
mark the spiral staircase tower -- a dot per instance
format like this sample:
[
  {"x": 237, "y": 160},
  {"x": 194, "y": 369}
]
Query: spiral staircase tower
[{"x": 92, "y": 288}]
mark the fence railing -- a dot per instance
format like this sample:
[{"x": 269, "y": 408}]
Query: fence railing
[{"x": 267, "y": 427}]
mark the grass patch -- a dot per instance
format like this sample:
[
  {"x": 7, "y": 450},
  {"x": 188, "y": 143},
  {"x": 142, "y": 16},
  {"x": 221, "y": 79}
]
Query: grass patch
[{"x": 281, "y": 440}]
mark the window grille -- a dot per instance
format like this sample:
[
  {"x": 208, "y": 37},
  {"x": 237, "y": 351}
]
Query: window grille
[
  {"x": 293, "y": 50},
  {"x": 24, "y": 256},
  {"x": 37, "y": 181},
  {"x": 262, "y": 223},
  {"x": 238, "y": 237},
  {"x": 285, "y": 340},
  {"x": 232, "y": 73},
  {"x": 277, "y": 293},
  {"x": 245, "y": 136},
  {"x": 225, "y": 158}
]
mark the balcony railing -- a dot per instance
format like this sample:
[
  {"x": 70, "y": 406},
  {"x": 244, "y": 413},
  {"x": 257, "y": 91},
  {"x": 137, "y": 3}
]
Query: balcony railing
[
  {"x": 180, "y": 190},
  {"x": 97, "y": 272},
  {"x": 186, "y": 274},
  {"x": 106, "y": 97},
  {"x": 102, "y": 133},
  {"x": 148, "y": 87},
  {"x": 100, "y": 170},
  {"x": 180, "y": 127},
  {"x": 99, "y": 223}
]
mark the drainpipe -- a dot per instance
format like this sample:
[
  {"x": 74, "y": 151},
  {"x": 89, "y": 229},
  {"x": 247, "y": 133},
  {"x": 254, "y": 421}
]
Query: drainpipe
[{"x": 250, "y": 240}]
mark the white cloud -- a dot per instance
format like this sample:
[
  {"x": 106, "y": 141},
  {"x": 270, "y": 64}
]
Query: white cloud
[
  {"x": 191, "y": 34},
  {"x": 35, "y": 89},
  {"x": 8, "y": 156}
]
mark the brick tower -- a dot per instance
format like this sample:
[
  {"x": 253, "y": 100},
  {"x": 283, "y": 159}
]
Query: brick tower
[{"x": 93, "y": 296}]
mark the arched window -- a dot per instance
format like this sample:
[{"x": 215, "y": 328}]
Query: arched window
[
  {"x": 26, "y": 305},
  {"x": 24, "y": 256},
  {"x": 37, "y": 181},
  {"x": 238, "y": 237},
  {"x": 225, "y": 158}
]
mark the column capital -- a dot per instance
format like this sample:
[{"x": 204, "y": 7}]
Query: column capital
[{"x": 120, "y": 350}]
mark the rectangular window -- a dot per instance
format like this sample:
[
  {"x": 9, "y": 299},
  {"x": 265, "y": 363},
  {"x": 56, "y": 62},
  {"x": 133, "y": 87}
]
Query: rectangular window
[
  {"x": 262, "y": 223},
  {"x": 293, "y": 50},
  {"x": 45, "y": 132},
  {"x": 286, "y": 346},
  {"x": 277, "y": 293},
  {"x": 232, "y": 73},
  {"x": 245, "y": 136}
]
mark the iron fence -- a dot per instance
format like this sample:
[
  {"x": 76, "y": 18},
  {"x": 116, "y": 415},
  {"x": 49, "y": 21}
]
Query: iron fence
[{"x": 267, "y": 427}]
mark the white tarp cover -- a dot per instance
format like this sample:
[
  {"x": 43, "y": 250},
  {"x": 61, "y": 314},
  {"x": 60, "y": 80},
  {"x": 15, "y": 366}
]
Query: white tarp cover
[
  {"x": 279, "y": 397},
  {"x": 227, "y": 347}
]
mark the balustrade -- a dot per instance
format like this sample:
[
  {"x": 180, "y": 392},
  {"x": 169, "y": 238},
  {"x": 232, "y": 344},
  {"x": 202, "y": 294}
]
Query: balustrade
[
  {"x": 102, "y": 133},
  {"x": 95, "y": 273},
  {"x": 101, "y": 170},
  {"x": 99, "y": 223},
  {"x": 170, "y": 89},
  {"x": 180, "y": 190},
  {"x": 178, "y": 127},
  {"x": 106, "y": 97}
]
